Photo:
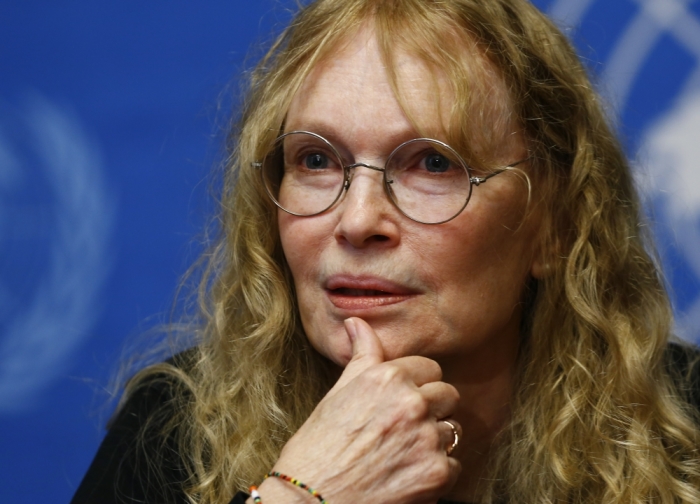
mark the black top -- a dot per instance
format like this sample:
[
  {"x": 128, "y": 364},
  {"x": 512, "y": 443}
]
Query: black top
[{"x": 121, "y": 471}]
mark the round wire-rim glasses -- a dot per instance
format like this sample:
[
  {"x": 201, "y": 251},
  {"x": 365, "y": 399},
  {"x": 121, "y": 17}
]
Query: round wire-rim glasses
[{"x": 435, "y": 188}]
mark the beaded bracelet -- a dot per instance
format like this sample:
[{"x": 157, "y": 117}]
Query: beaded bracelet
[
  {"x": 295, "y": 482},
  {"x": 255, "y": 495}
]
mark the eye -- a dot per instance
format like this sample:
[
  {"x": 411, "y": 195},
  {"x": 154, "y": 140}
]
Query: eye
[
  {"x": 316, "y": 161},
  {"x": 437, "y": 163}
]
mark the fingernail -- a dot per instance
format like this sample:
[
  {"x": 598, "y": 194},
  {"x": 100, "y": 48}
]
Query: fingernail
[{"x": 351, "y": 328}]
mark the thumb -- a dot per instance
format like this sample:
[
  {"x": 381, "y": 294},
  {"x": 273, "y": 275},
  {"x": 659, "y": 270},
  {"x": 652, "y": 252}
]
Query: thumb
[
  {"x": 365, "y": 343},
  {"x": 367, "y": 350}
]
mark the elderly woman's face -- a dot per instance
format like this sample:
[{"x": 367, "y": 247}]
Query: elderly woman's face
[{"x": 451, "y": 291}]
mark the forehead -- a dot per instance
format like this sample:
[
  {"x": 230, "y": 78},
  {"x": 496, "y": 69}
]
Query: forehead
[
  {"x": 352, "y": 86},
  {"x": 397, "y": 93}
]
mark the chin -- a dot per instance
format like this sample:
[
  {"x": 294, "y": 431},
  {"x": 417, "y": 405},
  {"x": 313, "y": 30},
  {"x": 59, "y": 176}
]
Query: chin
[
  {"x": 338, "y": 351},
  {"x": 340, "y": 359}
]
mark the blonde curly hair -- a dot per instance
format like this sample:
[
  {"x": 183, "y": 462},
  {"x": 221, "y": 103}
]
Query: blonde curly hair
[{"x": 596, "y": 414}]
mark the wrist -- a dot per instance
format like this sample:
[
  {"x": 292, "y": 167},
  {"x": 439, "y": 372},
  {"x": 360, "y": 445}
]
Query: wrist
[{"x": 276, "y": 491}]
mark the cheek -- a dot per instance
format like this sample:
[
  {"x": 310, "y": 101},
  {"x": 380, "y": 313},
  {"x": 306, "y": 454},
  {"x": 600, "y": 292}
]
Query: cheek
[
  {"x": 450, "y": 254},
  {"x": 480, "y": 259},
  {"x": 299, "y": 243},
  {"x": 303, "y": 241},
  {"x": 297, "y": 246}
]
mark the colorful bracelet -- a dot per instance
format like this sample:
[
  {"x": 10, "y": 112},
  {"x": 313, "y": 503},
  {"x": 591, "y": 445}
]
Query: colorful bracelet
[
  {"x": 255, "y": 495},
  {"x": 296, "y": 482}
]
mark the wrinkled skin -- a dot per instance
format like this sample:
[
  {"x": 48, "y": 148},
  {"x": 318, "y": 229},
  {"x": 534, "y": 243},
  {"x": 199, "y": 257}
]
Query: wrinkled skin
[{"x": 447, "y": 328}]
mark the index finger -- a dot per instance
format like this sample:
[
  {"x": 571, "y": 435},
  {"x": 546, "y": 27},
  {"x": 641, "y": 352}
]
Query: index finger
[{"x": 420, "y": 370}]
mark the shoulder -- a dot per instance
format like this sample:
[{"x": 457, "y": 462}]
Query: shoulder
[
  {"x": 154, "y": 396},
  {"x": 140, "y": 459}
]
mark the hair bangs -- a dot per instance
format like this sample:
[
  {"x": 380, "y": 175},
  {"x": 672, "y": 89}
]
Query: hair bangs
[{"x": 473, "y": 107}]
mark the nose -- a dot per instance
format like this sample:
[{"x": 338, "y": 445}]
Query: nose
[{"x": 367, "y": 216}]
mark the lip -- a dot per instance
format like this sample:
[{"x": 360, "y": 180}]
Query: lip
[{"x": 358, "y": 293}]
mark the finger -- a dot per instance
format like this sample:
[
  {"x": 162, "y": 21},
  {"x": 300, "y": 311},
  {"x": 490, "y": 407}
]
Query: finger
[
  {"x": 367, "y": 350},
  {"x": 442, "y": 398},
  {"x": 455, "y": 468},
  {"x": 420, "y": 370}
]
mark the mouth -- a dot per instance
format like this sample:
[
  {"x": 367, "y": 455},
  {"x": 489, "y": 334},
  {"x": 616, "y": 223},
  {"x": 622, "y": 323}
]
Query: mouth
[
  {"x": 348, "y": 291},
  {"x": 363, "y": 293}
]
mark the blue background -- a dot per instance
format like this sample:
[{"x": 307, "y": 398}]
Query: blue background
[{"x": 143, "y": 91}]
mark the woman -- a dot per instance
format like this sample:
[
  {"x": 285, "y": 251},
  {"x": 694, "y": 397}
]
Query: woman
[{"x": 432, "y": 284}]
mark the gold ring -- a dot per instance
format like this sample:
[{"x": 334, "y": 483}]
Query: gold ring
[{"x": 455, "y": 440}]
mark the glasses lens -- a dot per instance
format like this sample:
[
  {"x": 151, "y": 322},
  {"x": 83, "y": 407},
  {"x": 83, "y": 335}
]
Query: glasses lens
[
  {"x": 428, "y": 181},
  {"x": 303, "y": 174}
]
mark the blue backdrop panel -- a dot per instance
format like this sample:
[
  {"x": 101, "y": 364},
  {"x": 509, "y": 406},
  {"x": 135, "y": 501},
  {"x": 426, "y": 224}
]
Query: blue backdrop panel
[{"x": 108, "y": 128}]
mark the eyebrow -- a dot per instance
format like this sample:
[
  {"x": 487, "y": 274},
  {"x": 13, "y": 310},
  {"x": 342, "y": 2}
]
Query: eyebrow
[{"x": 331, "y": 133}]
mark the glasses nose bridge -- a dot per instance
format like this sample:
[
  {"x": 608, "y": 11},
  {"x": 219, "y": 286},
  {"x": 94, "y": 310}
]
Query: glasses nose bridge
[{"x": 350, "y": 171}]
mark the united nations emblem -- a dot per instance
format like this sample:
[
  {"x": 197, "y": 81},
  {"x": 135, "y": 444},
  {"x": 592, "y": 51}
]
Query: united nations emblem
[
  {"x": 669, "y": 161},
  {"x": 55, "y": 222}
]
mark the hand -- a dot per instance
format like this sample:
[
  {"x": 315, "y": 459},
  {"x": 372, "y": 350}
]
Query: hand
[{"x": 376, "y": 436}]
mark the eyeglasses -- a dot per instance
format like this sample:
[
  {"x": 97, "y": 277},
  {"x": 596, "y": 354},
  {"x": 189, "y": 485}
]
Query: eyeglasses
[{"x": 425, "y": 179}]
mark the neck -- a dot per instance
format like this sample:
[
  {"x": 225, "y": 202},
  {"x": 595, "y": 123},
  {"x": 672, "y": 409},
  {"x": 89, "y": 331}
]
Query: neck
[{"x": 483, "y": 412}]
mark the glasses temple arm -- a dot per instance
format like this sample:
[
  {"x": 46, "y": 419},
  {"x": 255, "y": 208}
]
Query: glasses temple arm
[{"x": 477, "y": 181}]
